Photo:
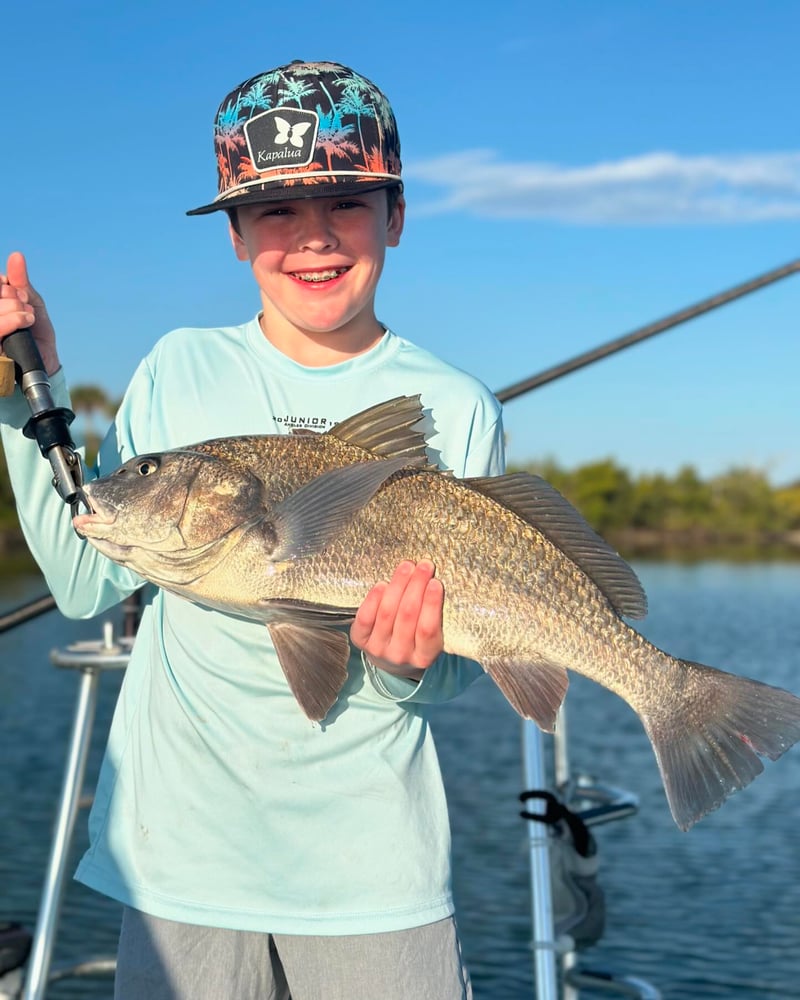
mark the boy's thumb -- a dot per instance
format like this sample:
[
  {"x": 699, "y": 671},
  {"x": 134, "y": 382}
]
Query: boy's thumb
[{"x": 17, "y": 271}]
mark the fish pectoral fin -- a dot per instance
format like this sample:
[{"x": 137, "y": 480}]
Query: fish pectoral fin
[
  {"x": 535, "y": 689},
  {"x": 314, "y": 661},
  {"x": 308, "y": 613},
  {"x": 305, "y": 522}
]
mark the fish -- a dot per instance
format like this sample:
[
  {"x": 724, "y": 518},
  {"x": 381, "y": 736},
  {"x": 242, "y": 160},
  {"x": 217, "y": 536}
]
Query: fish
[{"x": 293, "y": 530}]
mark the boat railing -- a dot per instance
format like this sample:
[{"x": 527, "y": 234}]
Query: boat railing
[
  {"x": 89, "y": 659},
  {"x": 558, "y": 974}
]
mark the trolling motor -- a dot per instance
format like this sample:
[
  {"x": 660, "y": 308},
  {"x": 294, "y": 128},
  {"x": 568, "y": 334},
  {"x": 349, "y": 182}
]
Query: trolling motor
[{"x": 49, "y": 424}]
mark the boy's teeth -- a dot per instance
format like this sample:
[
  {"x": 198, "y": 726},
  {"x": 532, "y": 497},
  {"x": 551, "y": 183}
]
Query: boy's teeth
[{"x": 319, "y": 275}]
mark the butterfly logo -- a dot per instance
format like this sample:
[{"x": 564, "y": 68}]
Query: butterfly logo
[{"x": 290, "y": 133}]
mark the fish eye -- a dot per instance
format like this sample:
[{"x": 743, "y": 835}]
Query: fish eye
[{"x": 147, "y": 466}]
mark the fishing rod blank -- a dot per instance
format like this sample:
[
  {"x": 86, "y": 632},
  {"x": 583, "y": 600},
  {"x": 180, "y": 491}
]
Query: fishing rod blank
[{"x": 642, "y": 333}]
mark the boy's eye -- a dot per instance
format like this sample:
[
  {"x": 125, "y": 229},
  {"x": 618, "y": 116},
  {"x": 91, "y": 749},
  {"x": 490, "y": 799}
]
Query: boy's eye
[{"x": 349, "y": 203}]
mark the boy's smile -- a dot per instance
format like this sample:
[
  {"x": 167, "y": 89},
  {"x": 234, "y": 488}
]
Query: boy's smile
[
  {"x": 317, "y": 277},
  {"x": 317, "y": 262}
]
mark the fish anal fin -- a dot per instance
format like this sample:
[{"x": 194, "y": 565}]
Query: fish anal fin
[
  {"x": 534, "y": 689},
  {"x": 534, "y": 500},
  {"x": 314, "y": 661}
]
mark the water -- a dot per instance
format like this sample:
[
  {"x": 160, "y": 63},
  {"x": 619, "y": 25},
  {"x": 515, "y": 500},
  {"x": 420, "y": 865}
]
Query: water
[{"x": 711, "y": 913}]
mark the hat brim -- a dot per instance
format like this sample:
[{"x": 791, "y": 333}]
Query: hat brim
[{"x": 288, "y": 191}]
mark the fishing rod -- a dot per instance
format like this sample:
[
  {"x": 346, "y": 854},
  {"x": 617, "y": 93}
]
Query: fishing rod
[
  {"x": 643, "y": 332},
  {"x": 27, "y": 612},
  {"x": 49, "y": 427},
  {"x": 49, "y": 424},
  {"x": 66, "y": 483}
]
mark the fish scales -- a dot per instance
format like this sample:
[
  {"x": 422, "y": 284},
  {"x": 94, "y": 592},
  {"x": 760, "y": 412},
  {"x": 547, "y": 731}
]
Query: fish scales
[
  {"x": 497, "y": 599},
  {"x": 294, "y": 530}
]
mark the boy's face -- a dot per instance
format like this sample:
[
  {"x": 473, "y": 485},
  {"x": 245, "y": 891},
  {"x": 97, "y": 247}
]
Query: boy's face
[{"x": 317, "y": 261}]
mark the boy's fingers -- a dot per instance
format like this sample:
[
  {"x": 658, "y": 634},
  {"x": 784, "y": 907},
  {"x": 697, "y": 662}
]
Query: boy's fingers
[
  {"x": 400, "y": 622},
  {"x": 17, "y": 271},
  {"x": 386, "y": 611},
  {"x": 411, "y": 594},
  {"x": 429, "y": 638},
  {"x": 364, "y": 621},
  {"x": 398, "y": 613},
  {"x": 14, "y": 313}
]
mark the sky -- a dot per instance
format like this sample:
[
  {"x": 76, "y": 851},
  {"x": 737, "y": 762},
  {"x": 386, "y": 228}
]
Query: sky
[{"x": 573, "y": 171}]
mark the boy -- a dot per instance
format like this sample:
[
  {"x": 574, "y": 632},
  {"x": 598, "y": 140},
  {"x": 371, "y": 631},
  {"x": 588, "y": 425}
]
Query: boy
[{"x": 257, "y": 855}]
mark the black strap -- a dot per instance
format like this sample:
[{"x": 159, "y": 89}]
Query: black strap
[{"x": 556, "y": 812}]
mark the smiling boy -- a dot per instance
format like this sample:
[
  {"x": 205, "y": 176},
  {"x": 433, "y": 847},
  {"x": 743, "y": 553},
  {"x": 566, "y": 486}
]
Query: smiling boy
[
  {"x": 257, "y": 855},
  {"x": 317, "y": 262}
]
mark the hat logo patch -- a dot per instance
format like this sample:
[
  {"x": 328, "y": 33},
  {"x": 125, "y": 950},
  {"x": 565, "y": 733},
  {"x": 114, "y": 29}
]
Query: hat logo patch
[
  {"x": 290, "y": 133},
  {"x": 282, "y": 137}
]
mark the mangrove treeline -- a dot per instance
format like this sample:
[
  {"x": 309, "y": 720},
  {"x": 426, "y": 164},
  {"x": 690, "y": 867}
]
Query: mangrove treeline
[{"x": 737, "y": 514}]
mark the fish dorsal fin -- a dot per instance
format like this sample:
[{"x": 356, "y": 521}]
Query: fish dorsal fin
[
  {"x": 542, "y": 506},
  {"x": 387, "y": 430}
]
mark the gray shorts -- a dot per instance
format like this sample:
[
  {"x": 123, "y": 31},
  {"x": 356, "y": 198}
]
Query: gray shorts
[{"x": 163, "y": 960}]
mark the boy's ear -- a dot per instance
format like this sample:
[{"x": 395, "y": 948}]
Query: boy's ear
[
  {"x": 396, "y": 221},
  {"x": 239, "y": 247}
]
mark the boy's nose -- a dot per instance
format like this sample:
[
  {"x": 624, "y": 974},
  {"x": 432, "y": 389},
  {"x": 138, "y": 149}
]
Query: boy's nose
[{"x": 317, "y": 231}]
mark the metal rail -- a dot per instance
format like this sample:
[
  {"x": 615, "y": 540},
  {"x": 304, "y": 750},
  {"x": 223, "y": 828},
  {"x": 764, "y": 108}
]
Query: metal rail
[{"x": 90, "y": 659}]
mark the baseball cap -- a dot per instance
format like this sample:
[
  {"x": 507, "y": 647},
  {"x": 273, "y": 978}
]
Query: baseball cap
[{"x": 306, "y": 129}]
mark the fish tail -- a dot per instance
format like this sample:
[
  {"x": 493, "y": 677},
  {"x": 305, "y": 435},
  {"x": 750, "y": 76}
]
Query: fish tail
[{"x": 710, "y": 745}]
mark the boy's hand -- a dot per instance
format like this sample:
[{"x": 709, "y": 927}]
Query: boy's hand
[
  {"x": 399, "y": 624},
  {"x": 21, "y": 306}
]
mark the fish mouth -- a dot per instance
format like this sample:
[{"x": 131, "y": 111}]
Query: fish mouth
[
  {"x": 97, "y": 517},
  {"x": 92, "y": 525}
]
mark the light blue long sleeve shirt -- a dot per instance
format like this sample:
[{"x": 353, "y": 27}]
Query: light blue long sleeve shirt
[{"x": 218, "y": 802}]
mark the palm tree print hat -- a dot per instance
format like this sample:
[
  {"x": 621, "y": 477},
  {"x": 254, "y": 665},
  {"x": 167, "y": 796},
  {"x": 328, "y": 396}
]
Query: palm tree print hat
[{"x": 303, "y": 130}]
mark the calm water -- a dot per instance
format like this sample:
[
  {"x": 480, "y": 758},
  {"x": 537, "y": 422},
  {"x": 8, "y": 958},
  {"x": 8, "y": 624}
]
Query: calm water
[{"x": 711, "y": 913}]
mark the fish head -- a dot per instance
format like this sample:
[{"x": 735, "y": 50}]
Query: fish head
[{"x": 177, "y": 501}]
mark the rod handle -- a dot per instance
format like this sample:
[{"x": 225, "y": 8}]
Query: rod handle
[{"x": 21, "y": 348}]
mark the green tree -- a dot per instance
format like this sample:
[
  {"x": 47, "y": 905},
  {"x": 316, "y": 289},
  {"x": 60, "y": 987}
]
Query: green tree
[
  {"x": 788, "y": 500},
  {"x": 651, "y": 499},
  {"x": 745, "y": 503},
  {"x": 691, "y": 502},
  {"x": 93, "y": 409},
  {"x": 550, "y": 470},
  {"x": 603, "y": 493},
  {"x": 7, "y": 511}
]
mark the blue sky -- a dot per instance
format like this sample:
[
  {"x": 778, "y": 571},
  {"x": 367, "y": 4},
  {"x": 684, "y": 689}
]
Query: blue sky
[{"x": 574, "y": 170}]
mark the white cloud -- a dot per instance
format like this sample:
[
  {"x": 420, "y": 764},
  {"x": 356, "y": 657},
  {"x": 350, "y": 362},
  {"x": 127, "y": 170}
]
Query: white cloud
[{"x": 658, "y": 187}]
